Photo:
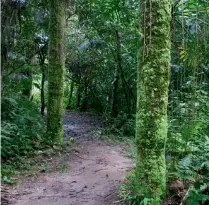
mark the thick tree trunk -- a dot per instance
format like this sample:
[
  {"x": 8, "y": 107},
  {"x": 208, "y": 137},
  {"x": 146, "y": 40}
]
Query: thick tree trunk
[
  {"x": 56, "y": 71},
  {"x": 152, "y": 97}
]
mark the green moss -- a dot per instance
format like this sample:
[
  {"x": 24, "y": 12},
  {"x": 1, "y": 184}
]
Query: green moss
[
  {"x": 56, "y": 71},
  {"x": 152, "y": 97}
]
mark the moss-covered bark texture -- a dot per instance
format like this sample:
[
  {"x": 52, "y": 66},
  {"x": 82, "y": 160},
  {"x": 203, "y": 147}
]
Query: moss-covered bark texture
[
  {"x": 56, "y": 71},
  {"x": 152, "y": 96}
]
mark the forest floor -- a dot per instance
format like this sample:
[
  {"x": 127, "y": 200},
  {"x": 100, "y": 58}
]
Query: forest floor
[{"x": 89, "y": 172}]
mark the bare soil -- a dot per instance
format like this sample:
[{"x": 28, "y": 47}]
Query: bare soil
[{"x": 92, "y": 177}]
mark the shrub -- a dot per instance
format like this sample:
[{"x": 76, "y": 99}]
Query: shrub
[{"x": 22, "y": 126}]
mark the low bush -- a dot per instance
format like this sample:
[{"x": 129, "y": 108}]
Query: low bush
[
  {"x": 22, "y": 127},
  {"x": 122, "y": 126}
]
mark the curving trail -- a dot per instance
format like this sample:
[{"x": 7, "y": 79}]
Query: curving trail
[{"x": 92, "y": 178}]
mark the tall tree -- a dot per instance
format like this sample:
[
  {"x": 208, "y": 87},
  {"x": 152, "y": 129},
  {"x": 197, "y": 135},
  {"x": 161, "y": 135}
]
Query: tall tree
[
  {"x": 56, "y": 70},
  {"x": 152, "y": 96}
]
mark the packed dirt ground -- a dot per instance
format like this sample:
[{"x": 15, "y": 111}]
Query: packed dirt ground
[{"x": 93, "y": 171}]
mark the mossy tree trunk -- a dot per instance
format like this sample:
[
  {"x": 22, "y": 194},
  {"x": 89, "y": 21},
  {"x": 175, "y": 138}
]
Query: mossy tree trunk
[
  {"x": 152, "y": 97},
  {"x": 56, "y": 71}
]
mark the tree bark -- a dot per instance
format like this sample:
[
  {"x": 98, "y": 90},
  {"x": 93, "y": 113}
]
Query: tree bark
[
  {"x": 85, "y": 99},
  {"x": 78, "y": 97},
  {"x": 27, "y": 88},
  {"x": 114, "y": 102},
  {"x": 42, "y": 90},
  {"x": 114, "y": 106},
  {"x": 42, "y": 54},
  {"x": 152, "y": 97},
  {"x": 119, "y": 63},
  {"x": 56, "y": 71},
  {"x": 69, "y": 106}
]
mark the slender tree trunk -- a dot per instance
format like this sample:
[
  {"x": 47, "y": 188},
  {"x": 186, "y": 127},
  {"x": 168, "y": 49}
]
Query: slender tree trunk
[
  {"x": 85, "y": 99},
  {"x": 114, "y": 102},
  {"x": 126, "y": 90},
  {"x": 28, "y": 87},
  {"x": 69, "y": 106},
  {"x": 78, "y": 97},
  {"x": 42, "y": 90},
  {"x": 152, "y": 97},
  {"x": 119, "y": 63},
  {"x": 3, "y": 57},
  {"x": 30, "y": 76},
  {"x": 42, "y": 57},
  {"x": 114, "y": 106},
  {"x": 56, "y": 71}
]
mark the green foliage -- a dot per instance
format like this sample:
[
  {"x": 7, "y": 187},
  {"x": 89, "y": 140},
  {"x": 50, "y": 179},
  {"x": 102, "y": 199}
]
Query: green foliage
[
  {"x": 194, "y": 196},
  {"x": 91, "y": 58},
  {"x": 123, "y": 126},
  {"x": 194, "y": 171},
  {"x": 128, "y": 188},
  {"x": 92, "y": 52},
  {"x": 188, "y": 146},
  {"x": 22, "y": 126},
  {"x": 129, "y": 192},
  {"x": 188, "y": 132}
]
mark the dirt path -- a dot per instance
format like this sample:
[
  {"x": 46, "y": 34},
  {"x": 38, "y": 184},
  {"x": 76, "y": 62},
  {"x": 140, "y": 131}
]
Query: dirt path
[
  {"x": 80, "y": 125},
  {"x": 95, "y": 171}
]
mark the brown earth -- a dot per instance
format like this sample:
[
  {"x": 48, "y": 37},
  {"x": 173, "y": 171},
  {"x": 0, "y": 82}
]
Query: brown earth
[{"x": 92, "y": 177}]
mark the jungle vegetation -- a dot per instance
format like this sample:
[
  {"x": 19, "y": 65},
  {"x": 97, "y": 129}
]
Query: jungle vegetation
[{"x": 143, "y": 65}]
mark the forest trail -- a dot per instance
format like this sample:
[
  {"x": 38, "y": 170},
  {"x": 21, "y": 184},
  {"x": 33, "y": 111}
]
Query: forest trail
[{"x": 95, "y": 170}]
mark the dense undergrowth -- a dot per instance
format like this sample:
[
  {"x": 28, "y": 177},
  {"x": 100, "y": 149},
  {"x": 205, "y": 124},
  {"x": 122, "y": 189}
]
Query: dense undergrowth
[
  {"x": 24, "y": 147},
  {"x": 22, "y": 126},
  {"x": 187, "y": 158},
  {"x": 122, "y": 126},
  {"x": 187, "y": 151},
  {"x": 22, "y": 130}
]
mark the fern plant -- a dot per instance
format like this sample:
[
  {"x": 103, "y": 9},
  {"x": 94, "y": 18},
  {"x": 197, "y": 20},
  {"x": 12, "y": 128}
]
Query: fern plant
[
  {"x": 194, "y": 171},
  {"x": 21, "y": 125}
]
